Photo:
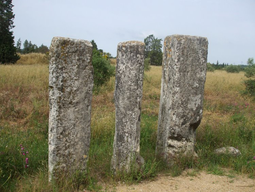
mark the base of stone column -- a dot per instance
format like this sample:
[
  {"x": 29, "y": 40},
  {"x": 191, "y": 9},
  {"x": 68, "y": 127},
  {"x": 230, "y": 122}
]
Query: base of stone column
[
  {"x": 177, "y": 150},
  {"x": 60, "y": 173},
  {"x": 130, "y": 165}
]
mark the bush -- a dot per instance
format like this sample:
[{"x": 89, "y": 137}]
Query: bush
[
  {"x": 156, "y": 58},
  {"x": 250, "y": 70},
  {"x": 233, "y": 69},
  {"x": 250, "y": 87},
  {"x": 103, "y": 70},
  {"x": 250, "y": 73},
  {"x": 147, "y": 64},
  {"x": 210, "y": 67}
]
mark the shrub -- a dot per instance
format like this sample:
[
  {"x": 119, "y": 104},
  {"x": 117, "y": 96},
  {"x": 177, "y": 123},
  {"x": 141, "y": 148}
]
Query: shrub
[
  {"x": 103, "y": 70},
  {"x": 210, "y": 67},
  {"x": 147, "y": 64},
  {"x": 250, "y": 73},
  {"x": 250, "y": 87},
  {"x": 250, "y": 70},
  {"x": 156, "y": 58},
  {"x": 233, "y": 69}
]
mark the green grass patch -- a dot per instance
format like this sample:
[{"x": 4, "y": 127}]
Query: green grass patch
[{"x": 15, "y": 147}]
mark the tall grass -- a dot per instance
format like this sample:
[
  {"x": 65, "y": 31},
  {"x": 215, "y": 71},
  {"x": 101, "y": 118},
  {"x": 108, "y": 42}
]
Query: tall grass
[
  {"x": 33, "y": 58},
  {"x": 228, "y": 120}
]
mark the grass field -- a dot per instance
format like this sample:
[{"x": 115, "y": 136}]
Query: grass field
[{"x": 228, "y": 120}]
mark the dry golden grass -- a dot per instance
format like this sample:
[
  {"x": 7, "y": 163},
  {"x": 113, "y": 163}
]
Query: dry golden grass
[
  {"x": 113, "y": 61},
  {"x": 33, "y": 58},
  {"x": 24, "y": 89},
  {"x": 219, "y": 83},
  {"x": 223, "y": 92},
  {"x": 151, "y": 90}
]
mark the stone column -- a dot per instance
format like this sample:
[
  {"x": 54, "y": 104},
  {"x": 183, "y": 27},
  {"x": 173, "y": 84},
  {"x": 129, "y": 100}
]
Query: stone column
[
  {"x": 70, "y": 95},
  {"x": 128, "y": 97},
  {"x": 182, "y": 92}
]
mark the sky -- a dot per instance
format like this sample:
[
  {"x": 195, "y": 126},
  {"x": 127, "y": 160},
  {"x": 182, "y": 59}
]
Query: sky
[{"x": 229, "y": 25}]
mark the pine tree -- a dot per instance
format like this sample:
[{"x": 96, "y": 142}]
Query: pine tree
[{"x": 7, "y": 48}]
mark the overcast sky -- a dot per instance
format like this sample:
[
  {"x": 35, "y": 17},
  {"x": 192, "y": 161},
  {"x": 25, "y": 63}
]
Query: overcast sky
[{"x": 229, "y": 25}]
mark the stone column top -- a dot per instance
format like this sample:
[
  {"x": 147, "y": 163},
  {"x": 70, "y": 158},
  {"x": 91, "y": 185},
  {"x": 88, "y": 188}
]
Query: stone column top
[
  {"x": 67, "y": 39},
  {"x": 184, "y": 36},
  {"x": 130, "y": 43}
]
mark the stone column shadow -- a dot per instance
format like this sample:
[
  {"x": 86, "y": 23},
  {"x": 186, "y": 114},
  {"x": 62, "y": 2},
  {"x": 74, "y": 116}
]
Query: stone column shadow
[
  {"x": 128, "y": 97},
  {"x": 182, "y": 92},
  {"x": 70, "y": 96}
]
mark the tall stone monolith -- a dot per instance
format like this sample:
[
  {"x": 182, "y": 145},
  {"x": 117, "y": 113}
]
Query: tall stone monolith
[
  {"x": 128, "y": 97},
  {"x": 182, "y": 92},
  {"x": 70, "y": 95}
]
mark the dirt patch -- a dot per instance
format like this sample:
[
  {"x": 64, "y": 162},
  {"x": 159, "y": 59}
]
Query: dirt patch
[{"x": 201, "y": 181}]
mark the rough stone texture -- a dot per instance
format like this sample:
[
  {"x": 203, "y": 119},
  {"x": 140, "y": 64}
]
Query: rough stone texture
[
  {"x": 182, "y": 91},
  {"x": 227, "y": 151},
  {"x": 128, "y": 97},
  {"x": 70, "y": 95}
]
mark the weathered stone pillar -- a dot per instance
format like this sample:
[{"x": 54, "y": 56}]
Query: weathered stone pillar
[
  {"x": 182, "y": 91},
  {"x": 70, "y": 95},
  {"x": 128, "y": 97}
]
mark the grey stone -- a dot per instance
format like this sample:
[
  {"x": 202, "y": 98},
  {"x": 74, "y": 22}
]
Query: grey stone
[
  {"x": 182, "y": 91},
  {"x": 70, "y": 95},
  {"x": 128, "y": 97},
  {"x": 227, "y": 151}
]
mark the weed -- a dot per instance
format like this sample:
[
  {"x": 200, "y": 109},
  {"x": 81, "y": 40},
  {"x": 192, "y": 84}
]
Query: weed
[
  {"x": 215, "y": 170},
  {"x": 192, "y": 173}
]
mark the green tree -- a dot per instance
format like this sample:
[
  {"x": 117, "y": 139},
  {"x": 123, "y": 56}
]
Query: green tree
[
  {"x": 94, "y": 44},
  {"x": 153, "y": 50},
  {"x": 209, "y": 67},
  {"x": 42, "y": 49},
  {"x": 29, "y": 47},
  {"x": 25, "y": 47},
  {"x": 148, "y": 45},
  {"x": 18, "y": 46},
  {"x": 7, "y": 48},
  {"x": 32, "y": 47}
]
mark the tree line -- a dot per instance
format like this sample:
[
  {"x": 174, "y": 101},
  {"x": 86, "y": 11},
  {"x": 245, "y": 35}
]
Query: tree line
[{"x": 29, "y": 47}]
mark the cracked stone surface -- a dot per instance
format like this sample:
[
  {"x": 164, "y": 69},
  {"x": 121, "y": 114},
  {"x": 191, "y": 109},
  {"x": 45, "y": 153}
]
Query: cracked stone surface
[
  {"x": 70, "y": 96},
  {"x": 182, "y": 92},
  {"x": 128, "y": 97}
]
